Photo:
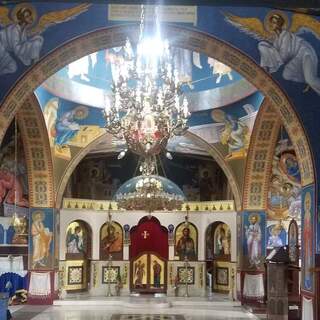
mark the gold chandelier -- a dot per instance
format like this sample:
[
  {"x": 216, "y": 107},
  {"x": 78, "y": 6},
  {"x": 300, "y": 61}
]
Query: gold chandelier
[{"x": 148, "y": 106}]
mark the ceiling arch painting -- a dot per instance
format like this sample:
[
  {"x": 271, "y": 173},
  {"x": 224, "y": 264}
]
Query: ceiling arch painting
[
  {"x": 212, "y": 18},
  {"x": 215, "y": 115},
  {"x": 220, "y": 119}
]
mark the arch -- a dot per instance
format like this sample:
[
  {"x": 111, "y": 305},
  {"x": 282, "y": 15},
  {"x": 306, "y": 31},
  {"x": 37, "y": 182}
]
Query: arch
[
  {"x": 178, "y": 36},
  {"x": 37, "y": 153},
  {"x": 111, "y": 241},
  {"x": 259, "y": 160},
  {"x": 85, "y": 240},
  {"x": 212, "y": 150},
  {"x": 72, "y": 165},
  {"x": 186, "y": 242},
  {"x": 218, "y": 157}
]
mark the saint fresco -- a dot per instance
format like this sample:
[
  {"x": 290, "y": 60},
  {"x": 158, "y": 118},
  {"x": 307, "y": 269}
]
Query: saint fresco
[
  {"x": 218, "y": 241},
  {"x": 186, "y": 244},
  {"x": 41, "y": 245},
  {"x": 111, "y": 241},
  {"x": 254, "y": 237},
  {"x": 284, "y": 197}
]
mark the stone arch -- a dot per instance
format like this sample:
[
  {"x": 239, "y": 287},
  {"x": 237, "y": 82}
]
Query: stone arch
[
  {"x": 181, "y": 37},
  {"x": 218, "y": 157},
  {"x": 259, "y": 160},
  {"x": 37, "y": 153},
  {"x": 212, "y": 150},
  {"x": 72, "y": 165}
]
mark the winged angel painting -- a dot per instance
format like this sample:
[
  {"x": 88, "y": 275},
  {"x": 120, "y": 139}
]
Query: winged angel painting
[
  {"x": 281, "y": 45},
  {"x": 20, "y": 36}
]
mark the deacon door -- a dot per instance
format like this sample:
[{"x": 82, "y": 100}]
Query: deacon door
[{"x": 148, "y": 273}]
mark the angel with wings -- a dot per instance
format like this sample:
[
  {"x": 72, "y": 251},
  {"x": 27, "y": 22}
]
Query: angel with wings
[
  {"x": 20, "y": 36},
  {"x": 282, "y": 46}
]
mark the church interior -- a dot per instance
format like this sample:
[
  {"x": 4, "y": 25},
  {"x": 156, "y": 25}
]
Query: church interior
[{"x": 159, "y": 161}]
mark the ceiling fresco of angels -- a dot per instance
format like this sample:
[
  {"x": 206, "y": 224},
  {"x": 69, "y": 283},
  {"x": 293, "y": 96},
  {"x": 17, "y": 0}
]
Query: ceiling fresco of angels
[{"x": 223, "y": 105}]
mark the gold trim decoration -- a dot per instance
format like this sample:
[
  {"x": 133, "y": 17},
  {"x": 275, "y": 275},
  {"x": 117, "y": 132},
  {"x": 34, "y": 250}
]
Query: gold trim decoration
[
  {"x": 62, "y": 274},
  {"x": 125, "y": 275},
  {"x": 180, "y": 37},
  {"x": 37, "y": 153},
  {"x": 260, "y": 155},
  {"x": 95, "y": 275},
  {"x": 100, "y": 205},
  {"x": 76, "y": 275},
  {"x": 201, "y": 275}
]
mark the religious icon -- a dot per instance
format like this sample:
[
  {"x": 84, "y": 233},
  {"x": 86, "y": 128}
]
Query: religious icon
[
  {"x": 253, "y": 235},
  {"x": 293, "y": 241},
  {"x": 20, "y": 226},
  {"x": 111, "y": 241},
  {"x": 41, "y": 240},
  {"x": 222, "y": 276},
  {"x": 307, "y": 241},
  {"x": 186, "y": 242},
  {"x": 140, "y": 275},
  {"x": 290, "y": 167},
  {"x": 157, "y": 272},
  {"x": 77, "y": 239},
  {"x": 277, "y": 236},
  {"x": 222, "y": 239}
]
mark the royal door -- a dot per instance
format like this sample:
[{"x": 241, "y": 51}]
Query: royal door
[
  {"x": 148, "y": 273},
  {"x": 148, "y": 256}
]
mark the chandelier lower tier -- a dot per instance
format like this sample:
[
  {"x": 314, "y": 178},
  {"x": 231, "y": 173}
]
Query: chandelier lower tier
[{"x": 149, "y": 193}]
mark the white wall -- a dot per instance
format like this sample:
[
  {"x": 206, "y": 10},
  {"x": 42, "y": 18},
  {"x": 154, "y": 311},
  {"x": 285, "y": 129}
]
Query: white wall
[{"x": 96, "y": 219}]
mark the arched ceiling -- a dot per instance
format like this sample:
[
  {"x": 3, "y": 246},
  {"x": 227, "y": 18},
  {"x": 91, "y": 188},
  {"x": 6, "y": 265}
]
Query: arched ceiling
[
  {"x": 213, "y": 86},
  {"x": 218, "y": 98},
  {"x": 207, "y": 99}
]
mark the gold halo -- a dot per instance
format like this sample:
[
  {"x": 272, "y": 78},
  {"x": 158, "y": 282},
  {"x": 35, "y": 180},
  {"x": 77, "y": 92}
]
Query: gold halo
[
  {"x": 36, "y": 213},
  {"x": 19, "y": 6},
  {"x": 278, "y": 13},
  {"x": 254, "y": 215},
  {"x": 80, "y": 112},
  {"x": 218, "y": 115}
]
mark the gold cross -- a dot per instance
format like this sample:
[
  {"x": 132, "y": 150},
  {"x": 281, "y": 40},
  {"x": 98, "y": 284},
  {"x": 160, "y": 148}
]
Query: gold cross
[{"x": 145, "y": 234}]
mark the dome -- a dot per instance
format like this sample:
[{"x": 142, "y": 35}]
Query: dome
[{"x": 149, "y": 193}]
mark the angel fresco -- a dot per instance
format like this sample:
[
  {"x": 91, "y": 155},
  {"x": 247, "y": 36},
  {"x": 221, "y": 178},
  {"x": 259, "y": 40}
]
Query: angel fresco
[
  {"x": 235, "y": 135},
  {"x": 281, "y": 45},
  {"x": 20, "y": 36}
]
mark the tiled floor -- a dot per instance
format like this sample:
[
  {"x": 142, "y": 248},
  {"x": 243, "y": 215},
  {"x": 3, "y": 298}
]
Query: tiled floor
[
  {"x": 94, "y": 313},
  {"x": 62, "y": 313},
  {"x": 142, "y": 309}
]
